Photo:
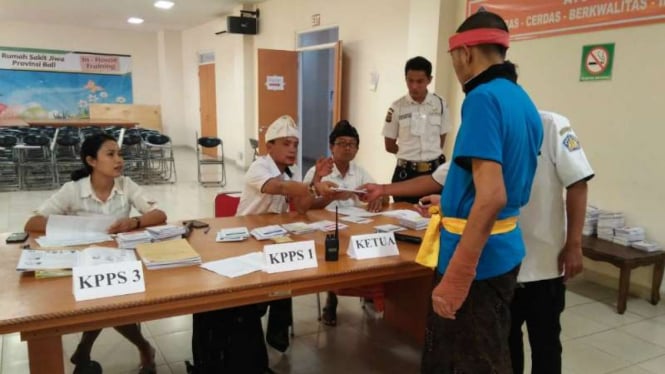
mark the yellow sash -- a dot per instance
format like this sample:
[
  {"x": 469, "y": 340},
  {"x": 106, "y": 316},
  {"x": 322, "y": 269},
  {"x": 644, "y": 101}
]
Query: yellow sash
[{"x": 428, "y": 253}]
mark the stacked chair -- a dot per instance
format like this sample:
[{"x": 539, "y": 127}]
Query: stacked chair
[
  {"x": 35, "y": 160},
  {"x": 9, "y": 176},
  {"x": 43, "y": 158},
  {"x": 66, "y": 153}
]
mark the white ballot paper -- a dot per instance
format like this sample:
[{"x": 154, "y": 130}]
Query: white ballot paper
[
  {"x": 76, "y": 230},
  {"x": 237, "y": 266}
]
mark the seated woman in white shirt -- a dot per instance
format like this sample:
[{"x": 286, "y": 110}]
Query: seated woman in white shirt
[{"x": 100, "y": 188}]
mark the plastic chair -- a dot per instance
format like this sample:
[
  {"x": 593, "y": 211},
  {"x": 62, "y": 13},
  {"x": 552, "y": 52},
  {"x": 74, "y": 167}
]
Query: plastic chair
[
  {"x": 207, "y": 142},
  {"x": 226, "y": 204},
  {"x": 255, "y": 146}
]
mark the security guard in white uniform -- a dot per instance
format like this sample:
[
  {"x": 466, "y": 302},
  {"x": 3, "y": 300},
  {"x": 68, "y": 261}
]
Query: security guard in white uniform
[
  {"x": 416, "y": 126},
  {"x": 552, "y": 230}
]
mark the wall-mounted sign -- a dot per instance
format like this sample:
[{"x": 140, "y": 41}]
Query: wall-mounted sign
[
  {"x": 541, "y": 18},
  {"x": 597, "y": 62},
  {"x": 275, "y": 83}
]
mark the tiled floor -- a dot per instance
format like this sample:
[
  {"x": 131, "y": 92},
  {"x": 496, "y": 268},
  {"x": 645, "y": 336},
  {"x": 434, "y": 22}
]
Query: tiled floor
[{"x": 595, "y": 338}]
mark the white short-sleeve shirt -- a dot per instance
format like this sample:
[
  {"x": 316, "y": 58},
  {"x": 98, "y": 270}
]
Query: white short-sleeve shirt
[
  {"x": 252, "y": 199},
  {"x": 561, "y": 163},
  {"x": 78, "y": 198},
  {"x": 441, "y": 173},
  {"x": 356, "y": 176},
  {"x": 417, "y": 126}
]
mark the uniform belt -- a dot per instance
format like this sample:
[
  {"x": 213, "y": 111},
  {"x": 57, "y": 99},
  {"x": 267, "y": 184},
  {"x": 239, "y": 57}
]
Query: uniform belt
[
  {"x": 457, "y": 225},
  {"x": 421, "y": 166}
]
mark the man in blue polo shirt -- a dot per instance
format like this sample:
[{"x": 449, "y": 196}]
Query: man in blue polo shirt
[{"x": 489, "y": 180}]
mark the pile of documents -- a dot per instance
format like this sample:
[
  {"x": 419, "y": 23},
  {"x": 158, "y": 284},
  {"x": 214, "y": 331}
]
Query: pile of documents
[
  {"x": 327, "y": 226},
  {"x": 235, "y": 234},
  {"x": 165, "y": 232},
  {"x": 590, "y": 220},
  {"x": 627, "y": 235},
  {"x": 402, "y": 214},
  {"x": 388, "y": 228},
  {"x": 298, "y": 228},
  {"x": 646, "y": 246},
  {"x": 130, "y": 240},
  {"x": 607, "y": 222},
  {"x": 268, "y": 232},
  {"x": 35, "y": 259},
  {"x": 167, "y": 254},
  {"x": 76, "y": 230},
  {"x": 414, "y": 223}
]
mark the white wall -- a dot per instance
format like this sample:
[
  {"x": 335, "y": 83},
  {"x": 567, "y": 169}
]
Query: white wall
[
  {"x": 229, "y": 73},
  {"x": 142, "y": 46},
  {"x": 619, "y": 122},
  {"x": 169, "y": 44},
  {"x": 375, "y": 38}
]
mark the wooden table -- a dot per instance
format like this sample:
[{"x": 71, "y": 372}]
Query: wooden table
[
  {"x": 44, "y": 309},
  {"x": 626, "y": 259}
]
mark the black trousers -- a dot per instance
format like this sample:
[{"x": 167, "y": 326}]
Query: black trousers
[
  {"x": 404, "y": 173},
  {"x": 538, "y": 304},
  {"x": 475, "y": 341}
]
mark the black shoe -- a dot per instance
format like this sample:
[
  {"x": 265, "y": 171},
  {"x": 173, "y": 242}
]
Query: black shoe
[
  {"x": 329, "y": 314},
  {"x": 278, "y": 339},
  {"x": 88, "y": 367}
]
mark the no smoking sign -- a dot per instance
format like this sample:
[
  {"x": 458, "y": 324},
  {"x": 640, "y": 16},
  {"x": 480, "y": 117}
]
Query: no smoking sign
[{"x": 597, "y": 62}]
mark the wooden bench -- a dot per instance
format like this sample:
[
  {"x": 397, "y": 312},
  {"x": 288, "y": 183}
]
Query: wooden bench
[{"x": 626, "y": 259}]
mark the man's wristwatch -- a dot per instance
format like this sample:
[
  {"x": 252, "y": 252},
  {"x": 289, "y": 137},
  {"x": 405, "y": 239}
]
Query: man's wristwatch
[
  {"x": 312, "y": 190},
  {"x": 138, "y": 222}
]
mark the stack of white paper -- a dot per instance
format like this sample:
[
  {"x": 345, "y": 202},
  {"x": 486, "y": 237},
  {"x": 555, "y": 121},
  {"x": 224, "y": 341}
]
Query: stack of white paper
[
  {"x": 129, "y": 240},
  {"x": 235, "y": 234},
  {"x": 327, "y": 226},
  {"x": 590, "y": 220},
  {"x": 268, "y": 232},
  {"x": 388, "y": 228},
  {"x": 607, "y": 222},
  {"x": 165, "y": 232},
  {"x": 353, "y": 211},
  {"x": 402, "y": 213},
  {"x": 298, "y": 228},
  {"x": 356, "y": 219},
  {"x": 419, "y": 223},
  {"x": 34, "y": 259},
  {"x": 627, "y": 235},
  {"x": 236, "y": 266},
  {"x": 646, "y": 246},
  {"x": 76, "y": 230}
]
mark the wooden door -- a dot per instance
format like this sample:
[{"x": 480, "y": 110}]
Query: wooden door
[
  {"x": 208, "y": 106},
  {"x": 277, "y": 87},
  {"x": 337, "y": 93}
]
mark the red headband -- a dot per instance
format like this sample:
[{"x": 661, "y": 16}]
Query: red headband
[{"x": 478, "y": 36}]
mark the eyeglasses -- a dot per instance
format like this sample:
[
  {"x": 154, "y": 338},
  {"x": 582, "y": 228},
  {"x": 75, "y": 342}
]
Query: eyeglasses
[{"x": 346, "y": 144}]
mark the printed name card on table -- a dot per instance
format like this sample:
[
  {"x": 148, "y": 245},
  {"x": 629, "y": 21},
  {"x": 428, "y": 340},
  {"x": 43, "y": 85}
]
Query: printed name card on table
[
  {"x": 290, "y": 256},
  {"x": 97, "y": 281},
  {"x": 372, "y": 246}
]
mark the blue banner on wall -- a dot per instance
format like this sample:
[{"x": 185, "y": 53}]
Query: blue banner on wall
[{"x": 47, "y": 84}]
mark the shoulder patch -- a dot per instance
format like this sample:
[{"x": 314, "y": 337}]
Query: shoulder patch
[
  {"x": 571, "y": 143},
  {"x": 389, "y": 115},
  {"x": 565, "y": 130}
]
